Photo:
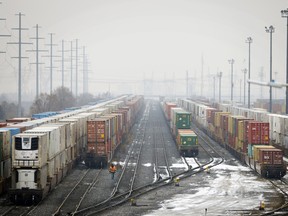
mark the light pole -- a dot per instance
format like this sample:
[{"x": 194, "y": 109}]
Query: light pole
[
  {"x": 270, "y": 30},
  {"x": 249, "y": 41},
  {"x": 214, "y": 77},
  {"x": 284, "y": 14},
  {"x": 245, "y": 72},
  {"x": 219, "y": 75},
  {"x": 231, "y": 61},
  {"x": 240, "y": 90}
]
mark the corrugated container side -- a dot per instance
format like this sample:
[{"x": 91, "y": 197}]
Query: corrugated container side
[
  {"x": 277, "y": 156},
  {"x": 57, "y": 163},
  {"x": 5, "y": 150},
  {"x": 51, "y": 167},
  {"x": 264, "y": 138},
  {"x": 265, "y": 156},
  {"x": 256, "y": 150},
  {"x": 53, "y": 139}
]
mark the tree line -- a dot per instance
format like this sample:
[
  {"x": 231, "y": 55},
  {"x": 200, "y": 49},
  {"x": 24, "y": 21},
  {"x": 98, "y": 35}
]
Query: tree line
[{"x": 60, "y": 99}]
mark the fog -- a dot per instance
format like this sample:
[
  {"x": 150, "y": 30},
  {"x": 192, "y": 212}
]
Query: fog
[{"x": 146, "y": 46}]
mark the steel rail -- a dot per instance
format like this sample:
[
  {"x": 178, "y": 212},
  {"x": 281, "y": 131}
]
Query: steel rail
[{"x": 68, "y": 195}]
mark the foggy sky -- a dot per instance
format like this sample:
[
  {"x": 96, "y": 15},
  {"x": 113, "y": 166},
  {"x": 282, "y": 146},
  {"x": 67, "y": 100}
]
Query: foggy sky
[{"x": 155, "y": 39}]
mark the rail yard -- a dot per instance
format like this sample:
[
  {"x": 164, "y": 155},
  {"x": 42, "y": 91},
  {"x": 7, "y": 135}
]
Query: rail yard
[{"x": 153, "y": 177}]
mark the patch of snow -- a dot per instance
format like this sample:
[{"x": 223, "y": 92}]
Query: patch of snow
[
  {"x": 227, "y": 191},
  {"x": 147, "y": 165}
]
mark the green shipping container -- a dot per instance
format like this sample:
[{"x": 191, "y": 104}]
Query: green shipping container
[
  {"x": 188, "y": 140},
  {"x": 182, "y": 120}
]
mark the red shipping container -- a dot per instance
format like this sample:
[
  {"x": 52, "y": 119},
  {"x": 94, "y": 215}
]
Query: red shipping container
[
  {"x": 167, "y": 108},
  {"x": 266, "y": 156},
  {"x": 254, "y": 132},
  {"x": 98, "y": 130},
  {"x": 209, "y": 115},
  {"x": 277, "y": 156},
  {"x": 91, "y": 148},
  {"x": 231, "y": 141},
  {"x": 225, "y": 122},
  {"x": 3, "y": 124},
  {"x": 264, "y": 133},
  {"x": 100, "y": 149}
]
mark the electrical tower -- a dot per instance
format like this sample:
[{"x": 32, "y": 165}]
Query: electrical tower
[
  {"x": 51, "y": 56},
  {"x": 20, "y": 57},
  {"x": 37, "y": 38}
]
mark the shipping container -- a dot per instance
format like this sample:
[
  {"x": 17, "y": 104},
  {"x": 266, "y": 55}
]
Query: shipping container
[
  {"x": 54, "y": 139},
  {"x": 167, "y": 109},
  {"x": 30, "y": 150},
  {"x": 180, "y": 118},
  {"x": 5, "y": 144}
]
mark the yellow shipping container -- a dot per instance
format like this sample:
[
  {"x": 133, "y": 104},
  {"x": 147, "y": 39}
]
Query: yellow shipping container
[
  {"x": 218, "y": 118},
  {"x": 256, "y": 149},
  {"x": 211, "y": 128},
  {"x": 241, "y": 130}
]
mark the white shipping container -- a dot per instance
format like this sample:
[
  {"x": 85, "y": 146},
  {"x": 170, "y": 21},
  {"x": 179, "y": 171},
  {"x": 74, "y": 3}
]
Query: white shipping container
[
  {"x": 68, "y": 152},
  {"x": 64, "y": 129},
  {"x": 26, "y": 179},
  {"x": 51, "y": 168},
  {"x": 75, "y": 128},
  {"x": 54, "y": 138},
  {"x": 57, "y": 163},
  {"x": 63, "y": 159},
  {"x": 30, "y": 149}
]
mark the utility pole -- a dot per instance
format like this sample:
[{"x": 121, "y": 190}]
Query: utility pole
[
  {"x": 261, "y": 74},
  {"x": 214, "y": 77},
  {"x": 270, "y": 30},
  {"x": 37, "y": 58},
  {"x": 71, "y": 67},
  {"x": 187, "y": 83},
  {"x": 19, "y": 62},
  {"x": 220, "y": 76},
  {"x": 231, "y": 61},
  {"x": 245, "y": 72},
  {"x": 249, "y": 41},
  {"x": 51, "y": 56},
  {"x": 62, "y": 62},
  {"x": 202, "y": 74},
  {"x": 76, "y": 93},
  {"x": 85, "y": 72},
  {"x": 284, "y": 14},
  {"x": 240, "y": 90},
  {"x": 3, "y": 35}
]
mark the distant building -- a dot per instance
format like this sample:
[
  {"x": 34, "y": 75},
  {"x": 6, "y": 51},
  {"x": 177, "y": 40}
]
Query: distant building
[{"x": 278, "y": 105}]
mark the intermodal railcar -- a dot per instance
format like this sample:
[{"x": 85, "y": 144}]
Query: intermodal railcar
[
  {"x": 244, "y": 132},
  {"x": 45, "y": 149},
  {"x": 179, "y": 122}
]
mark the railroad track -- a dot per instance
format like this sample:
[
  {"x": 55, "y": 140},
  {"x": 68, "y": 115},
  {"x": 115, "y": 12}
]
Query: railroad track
[
  {"x": 74, "y": 198},
  {"x": 120, "y": 196},
  {"x": 17, "y": 210},
  {"x": 215, "y": 152},
  {"x": 161, "y": 159},
  {"x": 128, "y": 175}
]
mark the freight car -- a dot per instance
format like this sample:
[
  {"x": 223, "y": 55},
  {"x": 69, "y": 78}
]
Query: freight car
[
  {"x": 46, "y": 149},
  {"x": 179, "y": 122},
  {"x": 241, "y": 131},
  {"x": 106, "y": 132}
]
